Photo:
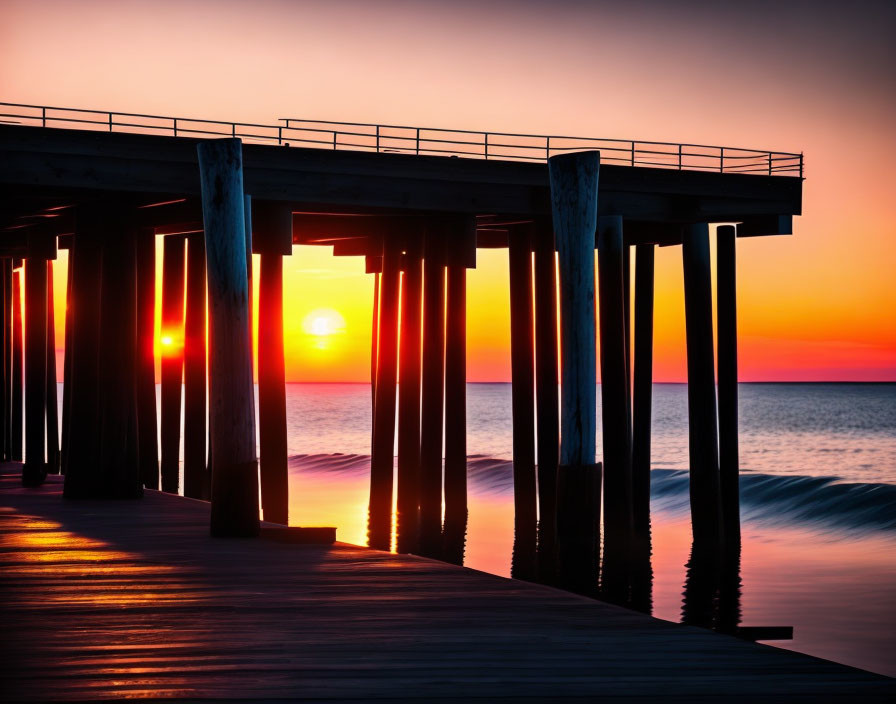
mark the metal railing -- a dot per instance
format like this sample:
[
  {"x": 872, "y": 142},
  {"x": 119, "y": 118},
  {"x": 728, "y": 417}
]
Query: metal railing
[{"x": 430, "y": 141}]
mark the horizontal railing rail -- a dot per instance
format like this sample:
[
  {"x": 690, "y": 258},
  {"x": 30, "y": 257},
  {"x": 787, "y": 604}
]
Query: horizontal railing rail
[{"x": 429, "y": 141}]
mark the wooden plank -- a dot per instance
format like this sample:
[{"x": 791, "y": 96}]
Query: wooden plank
[{"x": 133, "y": 599}]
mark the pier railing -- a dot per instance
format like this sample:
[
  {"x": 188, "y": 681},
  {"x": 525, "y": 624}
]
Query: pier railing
[{"x": 430, "y": 141}]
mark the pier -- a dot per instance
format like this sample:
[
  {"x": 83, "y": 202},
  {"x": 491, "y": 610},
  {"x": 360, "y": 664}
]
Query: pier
[{"x": 416, "y": 204}]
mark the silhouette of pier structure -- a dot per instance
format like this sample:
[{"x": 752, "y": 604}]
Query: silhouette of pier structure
[{"x": 417, "y": 203}]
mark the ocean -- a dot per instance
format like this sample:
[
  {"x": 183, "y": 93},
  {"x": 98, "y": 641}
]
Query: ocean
[{"x": 818, "y": 502}]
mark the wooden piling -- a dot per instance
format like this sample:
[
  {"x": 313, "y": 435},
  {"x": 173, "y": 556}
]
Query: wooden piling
[
  {"x": 702, "y": 424},
  {"x": 118, "y": 466},
  {"x": 172, "y": 351},
  {"x": 546, "y": 390},
  {"x": 433, "y": 396},
  {"x": 408, "y": 490},
  {"x": 147, "y": 419},
  {"x": 272, "y": 225},
  {"x": 614, "y": 392},
  {"x": 234, "y": 510},
  {"x": 6, "y": 355},
  {"x": 35, "y": 469},
  {"x": 643, "y": 390},
  {"x": 53, "y": 459},
  {"x": 726, "y": 310},
  {"x": 522, "y": 365},
  {"x": 196, "y": 481},
  {"x": 382, "y": 456},
  {"x": 82, "y": 478},
  {"x": 67, "y": 367},
  {"x": 456, "y": 394},
  {"x": 17, "y": 355},
  {"x": 574, "y": 193}
]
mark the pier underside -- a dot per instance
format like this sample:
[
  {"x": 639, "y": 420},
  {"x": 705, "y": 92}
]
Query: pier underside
[{"x": 105, "y": 600}]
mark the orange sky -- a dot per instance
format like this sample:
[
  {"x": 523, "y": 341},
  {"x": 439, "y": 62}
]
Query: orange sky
[{"x": 793, "y": 76}]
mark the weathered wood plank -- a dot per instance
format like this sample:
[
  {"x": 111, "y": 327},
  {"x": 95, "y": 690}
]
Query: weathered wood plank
[{"x": 106, "y": 600}]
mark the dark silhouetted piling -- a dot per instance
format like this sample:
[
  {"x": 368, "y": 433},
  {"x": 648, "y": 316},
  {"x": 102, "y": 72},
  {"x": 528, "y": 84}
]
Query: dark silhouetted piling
[
  {"x": 456, "y": 395},
  {"x": 702, "y": 424},
  {"x": 272, "y": 239},
  {"x": 53, "y": 459},
  {"x": 118, "y": 466},
  {"x": 6, "y": 355},
  {"x": 726, "y": 290},
  {"x": 234, "y": 493},
  {"x": 15, "y": 443},
  {"x": 382, "y": 457},
  {"x": 573, "y": 180},
  {"x": 82, "y": 478},
  {"x": 172, "y": 350},
  {"x": 196, "y": 480},
  {"x": 35, "y": 470},
  {"x": 614, "y": 396},
  {"x": 408, "y": 490},
  {"x": 432, "y": 418},
  {"x": 643, "y": 390},
  {"x": 546, "y": 388},
  {"x": 67, "y": 368},
  {"x": 147, "y": 419},
  {"x": 522, "y": 364}
]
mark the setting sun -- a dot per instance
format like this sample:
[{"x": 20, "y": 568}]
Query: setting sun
[{"x": 323, "y": 322}]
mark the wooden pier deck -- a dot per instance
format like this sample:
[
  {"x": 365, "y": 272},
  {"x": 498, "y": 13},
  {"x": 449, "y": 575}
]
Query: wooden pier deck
[{"x": 134, "y": 599}]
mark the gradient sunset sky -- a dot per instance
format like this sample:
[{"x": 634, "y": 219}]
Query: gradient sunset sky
[{"x": 806, "y": 76}]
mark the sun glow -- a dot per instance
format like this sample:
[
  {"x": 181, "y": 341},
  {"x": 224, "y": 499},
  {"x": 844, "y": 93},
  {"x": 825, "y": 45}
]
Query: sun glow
[{"x": 323, "y": 322}]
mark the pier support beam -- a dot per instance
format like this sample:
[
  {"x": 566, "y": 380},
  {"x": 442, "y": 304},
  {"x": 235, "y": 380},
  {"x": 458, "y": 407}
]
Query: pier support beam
[
  {"x": 231, "y": 400},
  {"x": 172, "y": 350},
  {"x": 17, "y": 359},
  {"x": 35, "y": 469},
  {"x": 119, "y": 470},
  {"x": 147, "y": 419},
  {"x": 408, "y": 494},
  {"x": 574, "y": 189},
  {"x": 522, "y": 365},
  {"x": 67, "y": 367},
  {"x": 6, "y": 355},
  {"x": 463, "y": 255},
  {"x": 53, "y": 460},
  {"x": 614, "y": 397},
  {"x": 82, "y": 479},
  {"x": 643, "y": 391},
  {"x": 382, "y": 457},
  {"x": 433, "y": 396},
  {"x": 726, "y": 272},
  {"x": 702, "y": 424},
  {"x": 272, "y": 239},
  {"x": 196, "y": 480},
  {"x": 546, "y": 389}
]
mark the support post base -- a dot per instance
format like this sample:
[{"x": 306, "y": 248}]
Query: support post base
[
  {"x": 578, "y": 542},
  {"x": 34, "y": 474}
]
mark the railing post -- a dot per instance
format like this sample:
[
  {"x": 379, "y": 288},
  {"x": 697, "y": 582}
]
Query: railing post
[
  {"x": 486, "y": 145},
  {"x": 110, "y": 121},
  {"x": 633, "y": 153},
  {"x": 547, "y": 148},
  {"x": 279, "y": 134},
  {"x": 334, "y": 138},
  {"x": 43, "y": 117},
  {"x": 418, "y": 141},
  {"x": 175, "y": 126},
  {"x": 722, "y": 160},
  {"x": 233, "y": 129},
  {"x": 377, "y": 139},
  {"x": 679, "y": 157},
  {"x": 770, "y": 164}
]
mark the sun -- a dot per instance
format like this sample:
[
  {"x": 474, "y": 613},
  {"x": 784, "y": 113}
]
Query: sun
[{"x": 323, "y": 322}]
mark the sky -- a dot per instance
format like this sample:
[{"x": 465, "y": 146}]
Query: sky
[{"x": 794, "y": 76}]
